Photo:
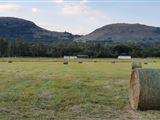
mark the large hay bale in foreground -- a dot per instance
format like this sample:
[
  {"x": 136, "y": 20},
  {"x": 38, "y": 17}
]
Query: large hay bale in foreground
[{"x": 145, "y": 89}]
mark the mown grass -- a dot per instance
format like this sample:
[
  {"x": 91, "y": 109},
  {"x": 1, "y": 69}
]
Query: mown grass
[{"x": 48, "y": 89}]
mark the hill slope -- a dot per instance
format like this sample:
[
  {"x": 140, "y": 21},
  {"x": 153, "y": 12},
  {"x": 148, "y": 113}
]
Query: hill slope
[
  {"x": 16, "y": 28},
  {"x": 122, "y": 32}
]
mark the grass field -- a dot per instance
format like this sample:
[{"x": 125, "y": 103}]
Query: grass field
[{"x": 45, "y": 89}]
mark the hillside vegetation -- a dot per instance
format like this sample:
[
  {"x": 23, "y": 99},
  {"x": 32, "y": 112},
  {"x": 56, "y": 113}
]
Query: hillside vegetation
[
  {"x": 16, "y": 28},
  {"x": 124, "y": 33}
]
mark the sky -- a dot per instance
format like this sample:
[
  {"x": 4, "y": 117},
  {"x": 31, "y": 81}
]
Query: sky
[{"x": 82, "y": 16}]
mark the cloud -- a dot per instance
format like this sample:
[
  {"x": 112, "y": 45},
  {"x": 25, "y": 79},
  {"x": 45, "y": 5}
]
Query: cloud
[
  {"x": 74, "y": 9},
  {"x": 83, "y": 1},
  {"x": 35, "y": 10},
  {"x": 9, "y": 7},
  {"x": 70, "y": 1},
  {"x": 58, "y": 1},
  {"x": 83, "y": 11},
  {"x": 85, "y": 16}
]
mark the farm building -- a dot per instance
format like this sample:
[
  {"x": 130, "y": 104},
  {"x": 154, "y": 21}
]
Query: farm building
[
  {"x": 82, "y": 56},
  {"x": 124, "y": 57},
  {"x": 70, "y": 57}
]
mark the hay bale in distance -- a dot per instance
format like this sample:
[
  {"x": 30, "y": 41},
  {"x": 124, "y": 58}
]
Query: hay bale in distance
[
  {"x": 145, "y": 63},
  {"x": 136, "y": 64},
  {"x": 145, "y": 89},
  {"x": 154, "y": 61},
  {"x": 95, "y": 61},
  {"x": 80, "y": 61},
  {"x": 10, "y": 61},
  {"x": 114, "y": 62},
  {"x": 65, "y": 61}
]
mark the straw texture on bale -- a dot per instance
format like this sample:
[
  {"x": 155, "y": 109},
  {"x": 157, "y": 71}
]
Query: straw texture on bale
[{"x": 145, "y": 89}]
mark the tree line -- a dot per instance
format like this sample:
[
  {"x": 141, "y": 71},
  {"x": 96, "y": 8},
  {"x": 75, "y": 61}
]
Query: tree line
[{"x": 19, "y": 48}]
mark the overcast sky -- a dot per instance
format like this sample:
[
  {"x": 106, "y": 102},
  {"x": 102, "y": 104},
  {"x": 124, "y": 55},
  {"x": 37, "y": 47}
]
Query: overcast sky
[{"x": 82, "y": 16}]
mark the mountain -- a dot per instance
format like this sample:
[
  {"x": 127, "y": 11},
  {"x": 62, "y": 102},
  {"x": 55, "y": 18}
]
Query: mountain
[
  {"x": 123, "y": 33},
  {"x": 16, "y": 28}
]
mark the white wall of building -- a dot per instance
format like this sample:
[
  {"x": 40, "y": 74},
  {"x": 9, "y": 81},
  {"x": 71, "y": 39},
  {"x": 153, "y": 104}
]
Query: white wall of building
[{"x": 124, "y": 57}]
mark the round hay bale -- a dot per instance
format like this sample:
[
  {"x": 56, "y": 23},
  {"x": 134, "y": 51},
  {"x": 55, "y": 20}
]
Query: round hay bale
[
  {"x": 113, "y": 62},
  {"x": 145, "y": 89},
  {"x": 145, "y": 63},
  {"x": 154, "y": 61},
  {"x": 65, "y": 61},
  {"x": 10, "y": 61},
  {"x": 136, "y": 64},
  {"x": 80, "y": 61},
  {"x": 95, "y": 61}
]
